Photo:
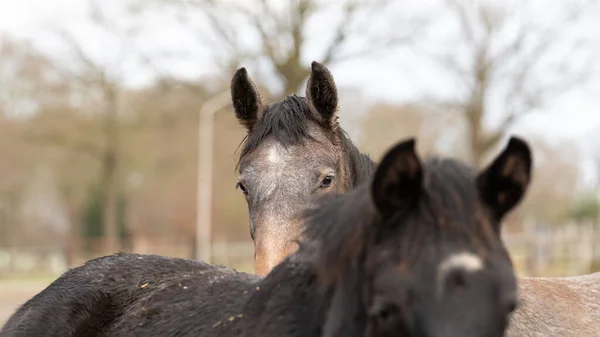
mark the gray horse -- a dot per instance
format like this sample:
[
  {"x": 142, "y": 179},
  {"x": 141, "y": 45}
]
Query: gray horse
[{"x": 295, "y": 151}]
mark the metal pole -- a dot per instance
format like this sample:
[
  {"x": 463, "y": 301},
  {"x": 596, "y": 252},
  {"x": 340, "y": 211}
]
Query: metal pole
[{"x": 205, "y": 165}]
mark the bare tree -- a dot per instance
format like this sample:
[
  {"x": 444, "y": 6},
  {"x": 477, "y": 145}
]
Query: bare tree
[
  {"x": 505, "y": 58},
  {"x": 101, "y": 84},
  {"x": 283, "y": 33},
  {"x": 26, "y": 85},
  {"x": 26, "y": 79},
  {"x": 386, "y": 123}
]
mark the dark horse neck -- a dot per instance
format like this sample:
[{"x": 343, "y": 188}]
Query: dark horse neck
[
  {"x": 292, "y": 295},
  {"x": 289, "y": 295}
]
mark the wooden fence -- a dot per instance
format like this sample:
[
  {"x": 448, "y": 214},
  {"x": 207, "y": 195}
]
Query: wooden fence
[
  {"x": 536, "y": 251},
  {"x": 571, "y": 249}
]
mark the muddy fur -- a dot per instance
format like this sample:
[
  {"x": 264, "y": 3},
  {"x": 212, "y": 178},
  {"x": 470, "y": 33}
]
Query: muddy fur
[{"x": 100, "y": 290}]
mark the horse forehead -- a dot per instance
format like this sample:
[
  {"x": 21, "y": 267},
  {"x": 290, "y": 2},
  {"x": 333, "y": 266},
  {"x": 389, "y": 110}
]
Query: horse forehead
[
  {"x": 274, "y": 163},
  {"x": 277, "y": 153},
  {"x": 273, "y": 155},
  {"x": 277, "y": 158}
]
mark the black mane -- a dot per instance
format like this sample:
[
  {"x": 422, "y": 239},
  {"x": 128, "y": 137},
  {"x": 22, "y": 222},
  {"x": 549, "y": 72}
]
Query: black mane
[
  {"x": 340, "y": 228},
  {"x": 288, "y": 122}
]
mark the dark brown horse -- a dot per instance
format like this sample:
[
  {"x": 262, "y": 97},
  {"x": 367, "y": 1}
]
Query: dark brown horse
[
  {"x": 550, "y": 306},
  {"x": 416, "y": 252},
  {"x": 295, "y": 150}
]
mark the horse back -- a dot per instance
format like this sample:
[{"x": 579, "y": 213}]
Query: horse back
[
  {"x": 561, "y": 306},
  {"x": 229, "y": 304},
  {"x": 84, "y": 300}
]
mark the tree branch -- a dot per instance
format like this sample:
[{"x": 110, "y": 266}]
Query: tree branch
[
  {"x": 464, "y": 21},
  {"x": 340, "y": 32},
  {"x": 95, "y": 75}
]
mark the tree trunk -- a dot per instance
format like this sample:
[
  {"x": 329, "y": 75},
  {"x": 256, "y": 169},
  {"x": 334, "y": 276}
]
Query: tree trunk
[
  {"x": 110, "y": 175},
  {"x": 73, "y": 244},
  {"x": 475, "y": 111},
  {"x": 294, "y": 81},
  {"x": 476, "y": 135}
]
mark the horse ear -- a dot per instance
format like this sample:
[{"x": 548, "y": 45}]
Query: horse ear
[
  {"x": 502, "y": 185},
  {"x": 321, "y": 93},
  {"x": 247, "y": 103},
  {"x": 397, "y": 181}
]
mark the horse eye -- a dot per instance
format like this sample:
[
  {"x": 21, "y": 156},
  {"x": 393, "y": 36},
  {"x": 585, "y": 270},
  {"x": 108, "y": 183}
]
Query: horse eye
[
  {"x": 242, "y": 188},
  {"x": 326, "y": 182}
]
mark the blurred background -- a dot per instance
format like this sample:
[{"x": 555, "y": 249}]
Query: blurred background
[{"x": 100, "y": 102}]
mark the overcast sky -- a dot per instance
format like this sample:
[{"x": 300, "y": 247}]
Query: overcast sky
[{"x": 397, "y": 76}]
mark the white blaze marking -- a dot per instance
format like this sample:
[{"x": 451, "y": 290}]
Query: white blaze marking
[
  {"x": 274, "y": 154},
  {"x": 277, "y": 157},
  {"x": 464, "y": 260}
]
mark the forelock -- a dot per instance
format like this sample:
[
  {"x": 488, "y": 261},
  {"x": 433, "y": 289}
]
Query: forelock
[{"x": 287, "y": 122}]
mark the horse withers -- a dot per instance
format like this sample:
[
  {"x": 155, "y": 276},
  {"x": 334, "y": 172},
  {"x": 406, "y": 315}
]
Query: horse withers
[
  {"x": 416, "y": 252},
  {"x": 294, "y": 151}
]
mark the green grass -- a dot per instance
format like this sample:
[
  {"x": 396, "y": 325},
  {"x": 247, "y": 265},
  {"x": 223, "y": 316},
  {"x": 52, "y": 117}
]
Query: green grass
[{"x": 29, "y": 278}]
